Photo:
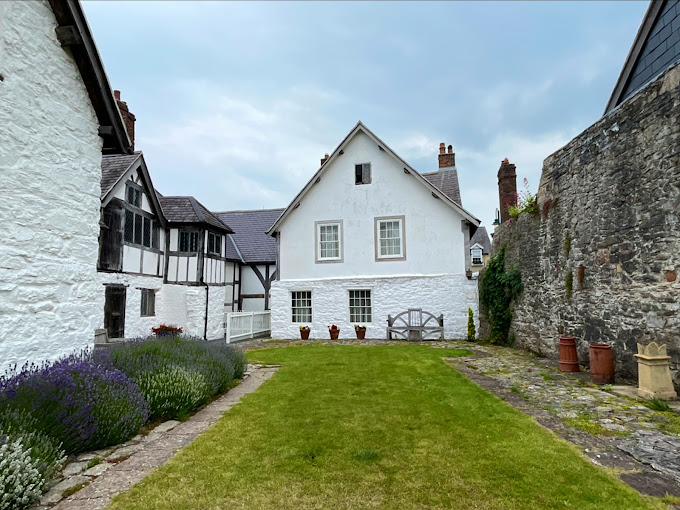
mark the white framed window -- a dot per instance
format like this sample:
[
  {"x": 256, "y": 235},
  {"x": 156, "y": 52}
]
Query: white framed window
[
  {"x": 301, "y": 305},
  {"x": 360, "y": 308},
  {"x": 329, "y": 241},
  {"x": 476, "y": 254},
  {"x": 148, "y": 303},
  {"x": 362, "y": 173},
  {"x": 389, "y": 238}
]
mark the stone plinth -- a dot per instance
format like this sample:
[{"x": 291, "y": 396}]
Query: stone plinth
[{"x": 654, "y": 372}]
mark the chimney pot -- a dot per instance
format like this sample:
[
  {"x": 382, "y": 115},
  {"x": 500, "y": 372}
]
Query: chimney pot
[
  {"x": 446, "y": 160},
  {"x": 128, "y": 118}
]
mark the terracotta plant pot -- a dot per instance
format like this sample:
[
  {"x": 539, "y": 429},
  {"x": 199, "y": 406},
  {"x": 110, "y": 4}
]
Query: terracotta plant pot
[
  {"x": 602, "y": 363},
  {"x": 568, "y": 355},
  {"x": 304, "y": 334},
  {"x": 361, "y": 333},
  {"x": 334, "y": 333}
]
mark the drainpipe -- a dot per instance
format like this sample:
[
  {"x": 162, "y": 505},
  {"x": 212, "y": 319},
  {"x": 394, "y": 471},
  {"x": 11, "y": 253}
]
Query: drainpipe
[{"x": 205, "y": 324}]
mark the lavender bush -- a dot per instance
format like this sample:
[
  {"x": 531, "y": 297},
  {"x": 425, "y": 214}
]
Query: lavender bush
[
  {"x": 46, "y": 453},
  {"x": 207, "y": 369},
  {"x": 20, "y": 480},
  {"x": 83, "y": 403}
]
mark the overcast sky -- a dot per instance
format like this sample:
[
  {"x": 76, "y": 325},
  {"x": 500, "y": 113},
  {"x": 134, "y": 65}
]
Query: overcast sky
[{"x": 237, "y": 102}]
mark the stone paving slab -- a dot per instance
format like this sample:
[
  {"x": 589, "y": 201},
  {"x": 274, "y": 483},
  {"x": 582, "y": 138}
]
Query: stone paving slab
[
  {"x": 141, "y": 456},
  {"x": 632, "y": 443}
]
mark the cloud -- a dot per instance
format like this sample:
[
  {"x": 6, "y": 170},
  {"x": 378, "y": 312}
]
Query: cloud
[
  {"x": 233, "y": 152},
  {"x": 477, "y": 169}
]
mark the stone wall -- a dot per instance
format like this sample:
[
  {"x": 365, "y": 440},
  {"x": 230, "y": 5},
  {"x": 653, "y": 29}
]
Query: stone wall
[
  {"x": 450, "y": 295},
  {"x": 609, "y": 216},
  {"x": 50, "y": 163}
]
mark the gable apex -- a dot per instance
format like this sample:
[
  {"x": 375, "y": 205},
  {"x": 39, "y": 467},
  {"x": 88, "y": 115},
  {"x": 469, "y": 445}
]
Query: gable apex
[{"x": 360, "y": 127}]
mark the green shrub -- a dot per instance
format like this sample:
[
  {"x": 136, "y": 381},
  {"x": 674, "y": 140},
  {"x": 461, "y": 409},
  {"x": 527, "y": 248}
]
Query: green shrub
[
  {"x": 20, "y": 480},
  {"x": 658, "y": 405},
  {"x": 498, "y": 289},
  {"x": 176, "y": 375},
  {"x": 173, "y": 392},
  {"x": 471, "y": 331}
]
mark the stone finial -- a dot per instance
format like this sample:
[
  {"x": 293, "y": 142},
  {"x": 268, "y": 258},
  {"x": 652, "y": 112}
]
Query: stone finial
[
  {"x": 654, "y": 372},
  {"x": 652, "y": 350}
]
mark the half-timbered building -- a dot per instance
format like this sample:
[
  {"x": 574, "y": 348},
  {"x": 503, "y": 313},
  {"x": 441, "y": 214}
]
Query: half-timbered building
[{"x": 251, "y": 255}]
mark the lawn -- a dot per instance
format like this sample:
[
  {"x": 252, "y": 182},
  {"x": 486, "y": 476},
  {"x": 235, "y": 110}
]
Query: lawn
[{"x": 346, "y": 427}]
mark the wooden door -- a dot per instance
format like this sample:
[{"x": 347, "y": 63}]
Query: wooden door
[{"x": 114, "y": 311}]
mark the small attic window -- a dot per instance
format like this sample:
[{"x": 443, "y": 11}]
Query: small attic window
[{"x": 362, "y": 173}]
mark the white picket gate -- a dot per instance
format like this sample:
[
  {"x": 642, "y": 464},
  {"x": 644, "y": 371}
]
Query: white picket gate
[{"x": 246, "y": 325}]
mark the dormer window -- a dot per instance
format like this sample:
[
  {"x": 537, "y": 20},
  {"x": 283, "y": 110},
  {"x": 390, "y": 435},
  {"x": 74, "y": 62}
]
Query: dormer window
[
  {"x": 362, "y": 173},
  {"x": 134, "y": 196},
  {"x": 476, "y": 254}
]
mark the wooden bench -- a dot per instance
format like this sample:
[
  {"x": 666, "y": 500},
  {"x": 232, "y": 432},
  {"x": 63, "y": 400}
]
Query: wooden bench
[{"x": 414, "y": 324}]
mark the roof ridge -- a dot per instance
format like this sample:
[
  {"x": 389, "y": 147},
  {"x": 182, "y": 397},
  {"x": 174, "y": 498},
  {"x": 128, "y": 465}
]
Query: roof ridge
[{"x": 250, "y": 210}]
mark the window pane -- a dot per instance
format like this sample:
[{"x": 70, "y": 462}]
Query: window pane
[
  {"x": 129, "y": 226},
  {"x": 360, "y": 306},
  {"x": 155, "y": 235},
  {"x": 138, "y": 229},
  {"x": 390, "y": 238},
  {"x": 194, "y": 242},
  {"x": 358, "y": 174},
  {"x": 184, "y": 241},
  {"x": 301, "y": 306},
  {"x": 218, "y": 245},
  {"x": 211, "y": 243},
  {"x": 329, "y": 241},
  {"x": 147, "y": 232}
]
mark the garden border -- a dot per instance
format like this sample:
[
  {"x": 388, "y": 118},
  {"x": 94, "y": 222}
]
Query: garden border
[{"x": 155, "y": 452}]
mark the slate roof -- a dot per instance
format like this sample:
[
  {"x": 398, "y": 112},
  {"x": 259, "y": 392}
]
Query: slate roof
[
  {"x": 189, "y": 210},
  {"x": 113, "y": 167},
  {"x": 446, "y": 181},
  {"x": 482, "y": 237},
  {"x": 250, "y": 234}
]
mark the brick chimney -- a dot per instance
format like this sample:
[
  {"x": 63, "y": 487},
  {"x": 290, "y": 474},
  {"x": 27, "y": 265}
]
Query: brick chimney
[
  {"x": 128, "y": 118},
  {"x": 446, "y": 159},
  {"x": 324, "y": 159},
  {"x": 507, "y": 188}
]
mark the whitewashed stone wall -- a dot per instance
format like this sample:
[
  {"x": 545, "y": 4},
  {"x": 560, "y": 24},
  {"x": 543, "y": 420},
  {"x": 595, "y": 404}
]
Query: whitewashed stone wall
[
  {"x": 135, "y": 325},
  {"x": 450, "y": 295},
  {"x": 176, "y": 305},
  {"x": 216, "y": 312},
  {"x": 50, "y": 163}
]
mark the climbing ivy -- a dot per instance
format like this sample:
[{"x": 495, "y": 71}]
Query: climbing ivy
[{"x": 498, "y": 289}]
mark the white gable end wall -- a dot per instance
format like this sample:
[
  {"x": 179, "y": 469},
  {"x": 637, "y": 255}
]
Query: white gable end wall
[
  {"x": 433, "y": 230},
  {"x": 431, "y": 276},
  {"x": 50, "y": 162}
]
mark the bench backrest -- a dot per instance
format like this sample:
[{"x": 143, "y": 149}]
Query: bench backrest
[{"x": 415, "y": 317}]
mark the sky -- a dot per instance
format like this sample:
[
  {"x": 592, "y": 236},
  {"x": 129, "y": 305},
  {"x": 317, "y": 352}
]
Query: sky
[{"x": 236, "y": 102}]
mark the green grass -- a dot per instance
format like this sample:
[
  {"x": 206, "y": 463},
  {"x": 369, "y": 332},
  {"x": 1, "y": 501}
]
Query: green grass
[
  {"x": 584, "y": 422},
  {"x": 352, "y": 427}
]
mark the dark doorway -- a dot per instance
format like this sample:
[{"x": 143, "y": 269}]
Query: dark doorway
[{"x": 114, "y": 311}]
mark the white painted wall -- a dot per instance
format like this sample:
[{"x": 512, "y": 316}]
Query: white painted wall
[
  {"x": 450, "y": 295},
  {"x": 177, "y": 305},
  {"x": 50, "y": 163},
  {"x": 433, "y": 230},
  {"x": 136, "y": 325}
]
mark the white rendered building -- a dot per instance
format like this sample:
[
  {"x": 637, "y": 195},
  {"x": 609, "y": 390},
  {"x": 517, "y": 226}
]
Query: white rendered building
[{"x": 369, "y": 236}]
